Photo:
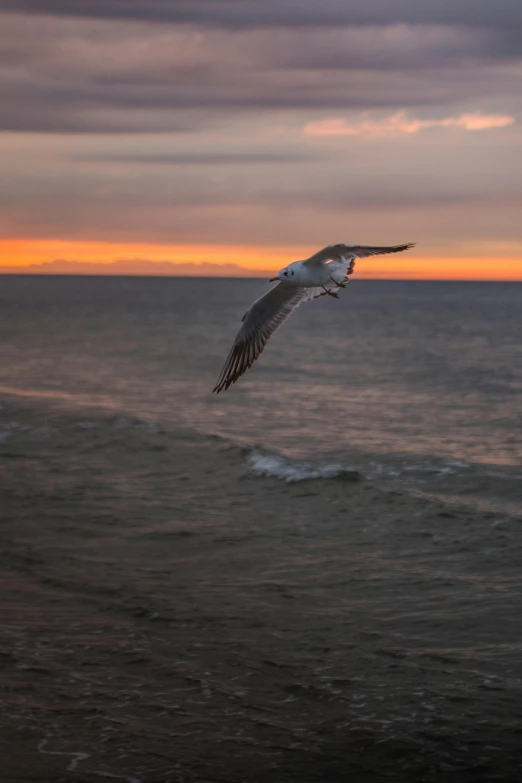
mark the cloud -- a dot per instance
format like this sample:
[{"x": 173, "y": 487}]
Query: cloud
[
  {"x": 263, "y": 157},
  {"x": 238, "y": 14},
  {"x": 474, "y": 121},
  {"x": 82, "y": 75},
  {"x": 79, "y": 102},
  {"x": 399, "y": 124}
]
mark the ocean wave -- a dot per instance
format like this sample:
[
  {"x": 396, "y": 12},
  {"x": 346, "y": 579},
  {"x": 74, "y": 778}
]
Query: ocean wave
[
  {"x": 264, "y": 463},
  {"x": 400, "y": 468},
  {"x": 10, "y": 429}
]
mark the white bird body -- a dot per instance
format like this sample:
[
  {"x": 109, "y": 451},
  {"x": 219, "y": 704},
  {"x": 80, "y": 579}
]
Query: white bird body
[
  {"x": 322, "y": 274},
  {"x": 301, "y": 274}
]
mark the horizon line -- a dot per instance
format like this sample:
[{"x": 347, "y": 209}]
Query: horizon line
[{"x": 360, "y": 278}]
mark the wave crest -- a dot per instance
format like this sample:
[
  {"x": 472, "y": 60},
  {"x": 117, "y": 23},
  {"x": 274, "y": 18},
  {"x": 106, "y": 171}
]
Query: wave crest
[{"x": 264, "y": 463}]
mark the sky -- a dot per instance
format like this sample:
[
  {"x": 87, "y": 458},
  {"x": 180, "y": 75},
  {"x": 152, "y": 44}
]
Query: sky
[{"x": 254, "y": 132}]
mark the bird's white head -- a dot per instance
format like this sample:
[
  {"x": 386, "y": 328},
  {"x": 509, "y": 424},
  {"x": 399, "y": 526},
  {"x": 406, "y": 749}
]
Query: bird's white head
[{"x": 288, "y": 274}]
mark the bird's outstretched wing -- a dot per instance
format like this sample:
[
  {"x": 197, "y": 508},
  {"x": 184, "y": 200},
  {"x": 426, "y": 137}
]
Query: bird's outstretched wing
[
  {"x": 265, "y": 316},
  {"x": 342, "y": 252}
]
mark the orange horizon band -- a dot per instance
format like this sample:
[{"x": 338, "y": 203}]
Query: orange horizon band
[{"x": 20, "y": 253}]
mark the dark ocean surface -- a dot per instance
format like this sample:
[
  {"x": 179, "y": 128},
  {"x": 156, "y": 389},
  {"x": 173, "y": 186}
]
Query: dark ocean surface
[
  {"x": 417, "y": 383},
  {"x": 195, "y": 588}
]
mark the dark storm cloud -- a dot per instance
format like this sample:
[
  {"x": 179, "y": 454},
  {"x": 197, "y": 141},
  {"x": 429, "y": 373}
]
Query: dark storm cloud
[{"x": 256, "y": 13}]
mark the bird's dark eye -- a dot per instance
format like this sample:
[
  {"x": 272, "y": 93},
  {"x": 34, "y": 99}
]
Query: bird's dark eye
[{"x": 286, "y": 273}]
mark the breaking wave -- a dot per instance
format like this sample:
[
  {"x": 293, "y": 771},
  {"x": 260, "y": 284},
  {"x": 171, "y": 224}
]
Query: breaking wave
[{"x": 264, "y": 463}]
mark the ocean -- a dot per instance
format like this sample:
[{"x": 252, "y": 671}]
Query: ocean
[
  {"x": 312, "y": 576},
  {"x": 417, "y": 384}
]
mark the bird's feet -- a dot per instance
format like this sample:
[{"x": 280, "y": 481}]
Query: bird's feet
[
  {"x": 330, "y": 293},
  {"x": 341, "y": 285}
]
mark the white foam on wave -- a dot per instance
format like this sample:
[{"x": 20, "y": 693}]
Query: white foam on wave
[{"x": 263, "y": 463}]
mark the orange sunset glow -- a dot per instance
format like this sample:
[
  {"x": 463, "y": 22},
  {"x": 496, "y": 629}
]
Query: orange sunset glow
[{"x": 19, "y": 256}]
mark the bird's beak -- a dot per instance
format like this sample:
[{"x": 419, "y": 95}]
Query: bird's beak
[{"x": 273, "y": 279}]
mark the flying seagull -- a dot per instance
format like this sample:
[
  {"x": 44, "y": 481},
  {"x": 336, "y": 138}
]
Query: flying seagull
[{"x": 323, "y": 274}]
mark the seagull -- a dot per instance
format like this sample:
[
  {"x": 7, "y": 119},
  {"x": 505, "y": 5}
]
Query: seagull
[{"x": 323, "y": 274}]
